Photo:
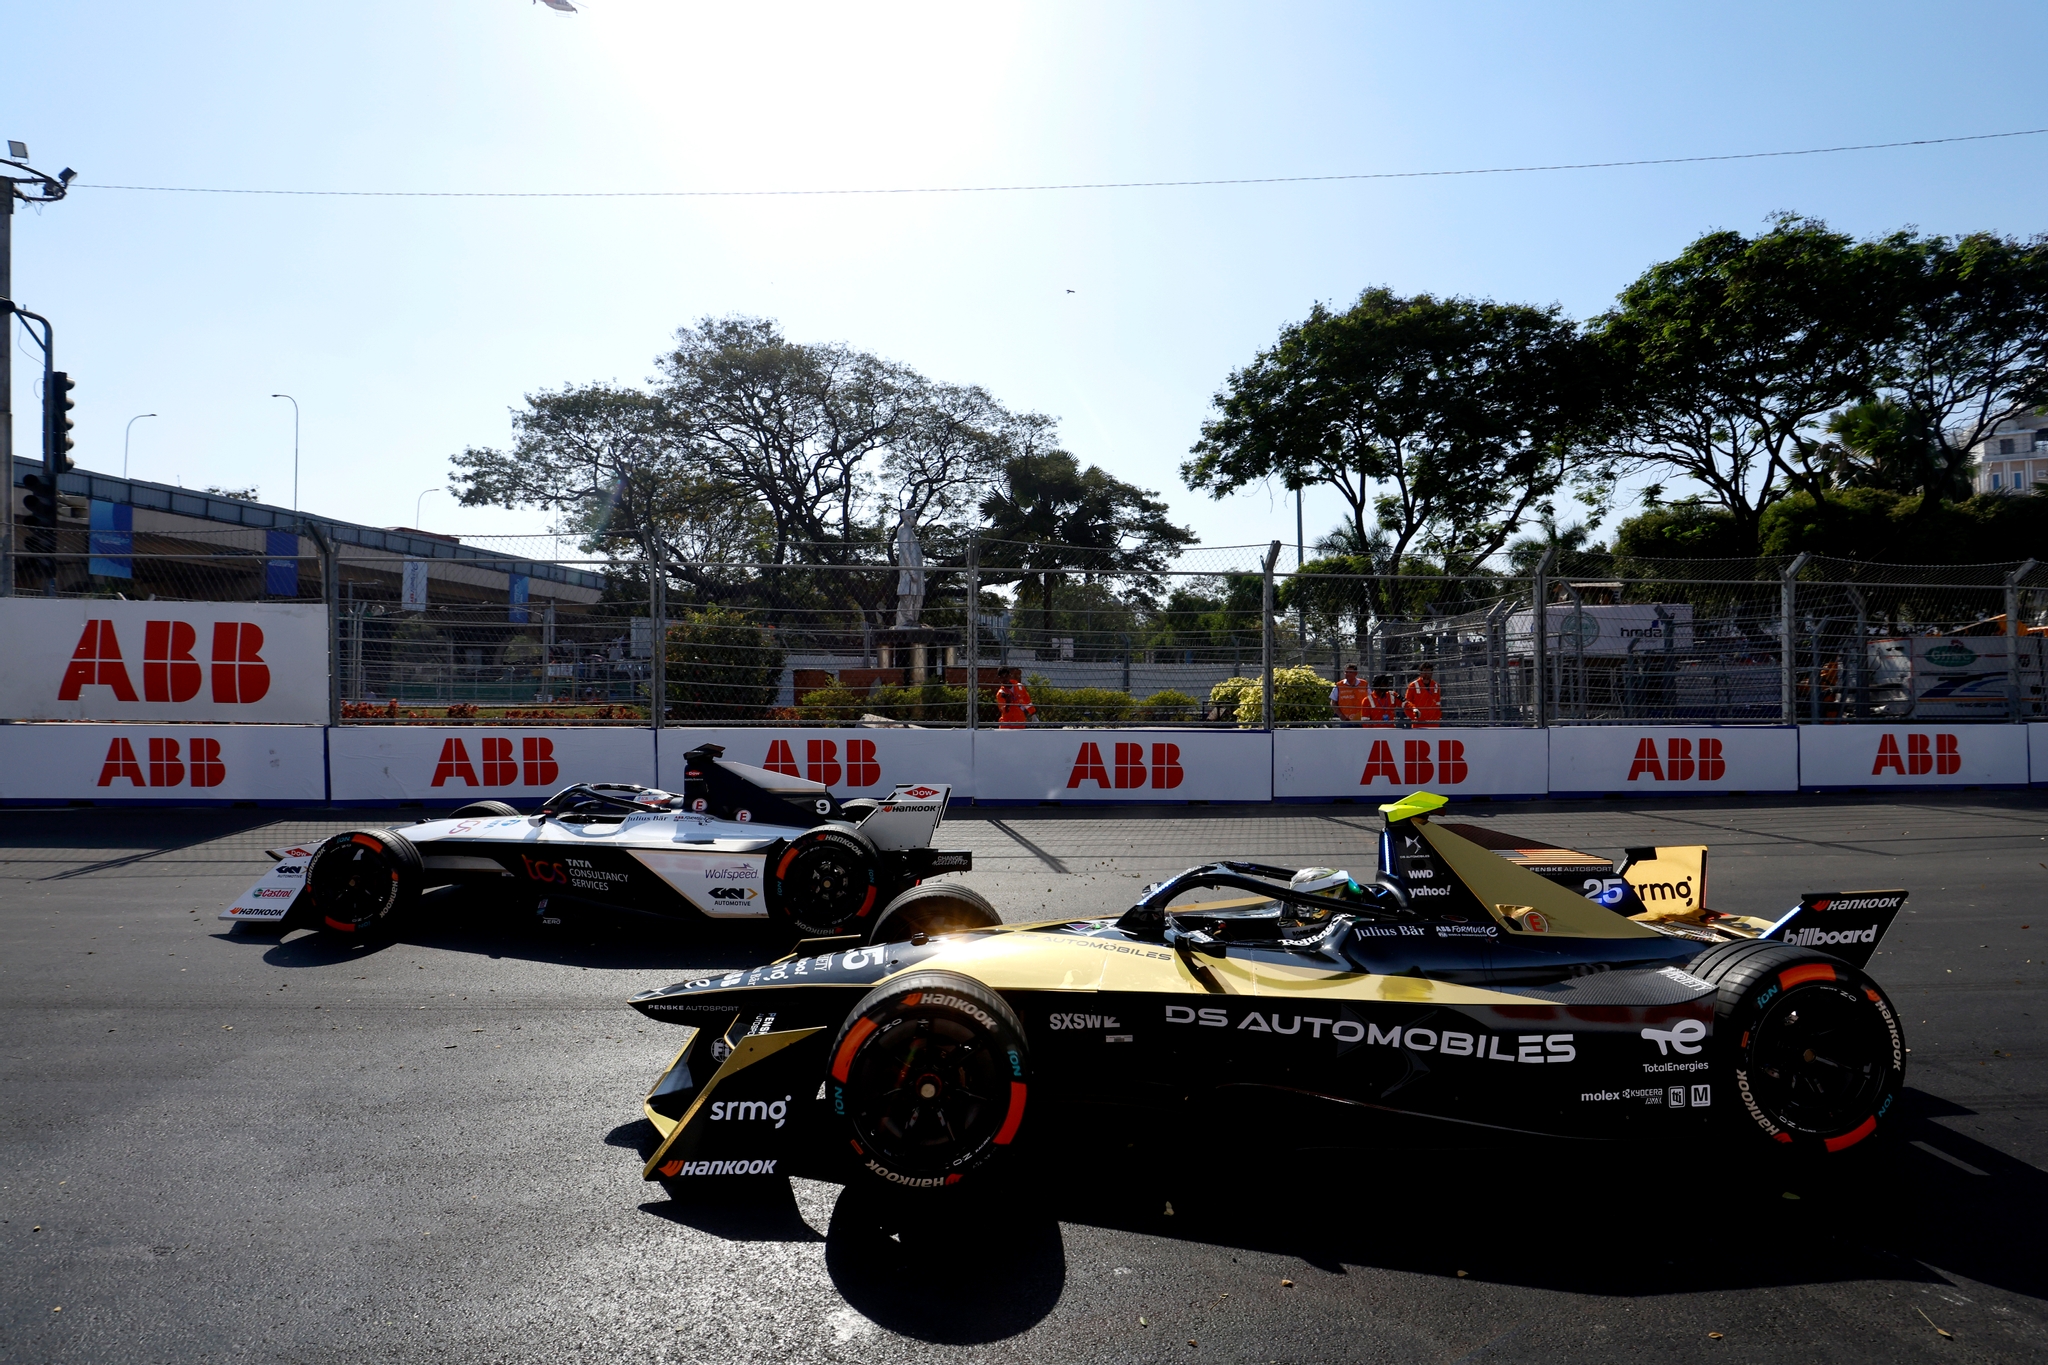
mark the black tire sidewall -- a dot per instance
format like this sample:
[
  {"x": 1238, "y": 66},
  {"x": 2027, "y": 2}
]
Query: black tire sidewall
[
  {"x": 913, "y": 912},
  {"x": 784, "y": 904},
  {"x": 399, "y": 855},
  {"x": 477, "y": 810}
]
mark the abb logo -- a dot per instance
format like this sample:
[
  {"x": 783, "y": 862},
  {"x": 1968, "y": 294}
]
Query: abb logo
[
  {"x": 821, "y": 761},
  {"x": 1941, "y": 759},
  {"x": 1678, "y": 763},
  {"x": 169, "y": 670},
  {"x": 1128, "y": 766},
  {"x": 1449, "y": 767},
  {"x": 498, "y": 766},
  {"x": 199, "y": 761}
]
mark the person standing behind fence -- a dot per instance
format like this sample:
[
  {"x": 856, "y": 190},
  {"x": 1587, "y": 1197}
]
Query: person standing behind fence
[
  {"x": 1383, "y": 704},
  {"x": 1424, "y": 702},
  {"x": 1351, "y": 698},
  {"x": 1013, "y": 702}
]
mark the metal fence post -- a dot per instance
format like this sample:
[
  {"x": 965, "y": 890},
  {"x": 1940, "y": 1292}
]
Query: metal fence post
[
  {"x": 1266, "y": 634},
  {"x": 1540, "y": 619},
  {"x": 657, "y": 610},
  {"x": 1788, "y": 659},
  {"x": 973, "y": 632},
  {"x": 2013, "y": 637},
  {"x": 330, "y": 594}
]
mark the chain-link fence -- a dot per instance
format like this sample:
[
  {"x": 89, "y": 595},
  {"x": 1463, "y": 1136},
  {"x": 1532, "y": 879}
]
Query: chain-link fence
[{"x": 563, "y": 630}]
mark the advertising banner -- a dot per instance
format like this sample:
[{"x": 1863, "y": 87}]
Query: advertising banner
[
  {"x": 1316, "y": 765},
  {"x": 851, "y": 761},
  {"x": 1936, "y": 755},
  {"x": 1123, "y": 765},
  {"x": 93, "y": 659},
  {"x": 175, "y": 764},
  {"x": 2037, "y": 754},
  {"x": 1672, "y": 760},
  {"x": 448, "y": 765}
]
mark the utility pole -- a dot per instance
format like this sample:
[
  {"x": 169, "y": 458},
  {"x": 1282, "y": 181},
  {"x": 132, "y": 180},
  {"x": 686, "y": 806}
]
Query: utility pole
[{"x": 48, "y": 190}]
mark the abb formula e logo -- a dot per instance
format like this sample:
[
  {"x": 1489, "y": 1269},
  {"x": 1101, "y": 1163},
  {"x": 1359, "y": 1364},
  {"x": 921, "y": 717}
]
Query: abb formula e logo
[
  {"x": 1679, "y": 763},
  {"x": 822, "y": 764},
  {"x": 1447, "y": 767},
  {"x": 196, "y": 763},
  {"x": 1126, "y": 770},
  {"x": 1941, "y": 757},
  {"x": 170, "y": 672},
  {"x": 497, "y": 767}
]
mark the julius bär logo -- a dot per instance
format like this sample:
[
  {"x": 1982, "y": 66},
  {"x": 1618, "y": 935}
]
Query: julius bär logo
[
  {"x": 1128, "y": 764},
  {"x": 196, "y": 763},
  {"x": 1447, "y": 768},
  {"x": 498, "y": 768},
  {"x": 1941, "y": 758},
  {"x": 821, "y": 761},
  {"x": 169, "y": 671},
  {"x": 1678, "y": 763}
]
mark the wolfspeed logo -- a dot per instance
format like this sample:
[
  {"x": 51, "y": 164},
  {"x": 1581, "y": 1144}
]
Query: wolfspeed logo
[
  {"x": 1811, "y": 938},
  {"x": 1083, "y": 1021},
  {"x": 673, "y": 1169},
  {"x": 754, "y": 1110},
  {"x": 748, "y": 872},
  {"x": 1527, "y": 1047}
]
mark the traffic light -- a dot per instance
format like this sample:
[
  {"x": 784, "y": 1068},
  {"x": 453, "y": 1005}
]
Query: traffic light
[
  {"x": 42, "y": 501},
  {"x": 32, "y": 566},
  {"x": 57, "y": 405}
]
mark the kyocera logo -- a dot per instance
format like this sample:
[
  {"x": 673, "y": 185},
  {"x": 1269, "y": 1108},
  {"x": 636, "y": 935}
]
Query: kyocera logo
[
  {"x": 1678, "y": 763},
  {"x": 821, "y": 761},
  {"x": 1940, "y": 758},
  {"x": 169, "y": 672},
  {"x": 1128, "y": 765},
  {"x": 196, "y": 764},
  {"x": 498, "y": 767},
  {"x": 1448, "y": 769}
]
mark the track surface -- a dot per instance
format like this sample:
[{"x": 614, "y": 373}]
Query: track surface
[{"x": 227, "y": 1147}]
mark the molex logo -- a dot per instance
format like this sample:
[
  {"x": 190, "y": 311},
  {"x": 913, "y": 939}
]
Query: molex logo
[
  {"x": 1924, "y": 754},
  {"x": 196, "y": 763},
  {"x": 1678, "y": 763},
  {"x": 1126, "y": 770},
  {"x": 170, "y": 672},
  {"x": 822, "y": 764},
  {"x": 498, "y": 768},
  {"x": 1446, "y": 767}
]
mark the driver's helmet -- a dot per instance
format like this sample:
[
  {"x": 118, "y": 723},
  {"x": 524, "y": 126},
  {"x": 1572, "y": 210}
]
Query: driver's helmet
[{"x": 1322, "y": 881}]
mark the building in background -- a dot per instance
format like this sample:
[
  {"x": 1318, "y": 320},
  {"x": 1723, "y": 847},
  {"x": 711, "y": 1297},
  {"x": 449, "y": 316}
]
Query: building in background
[{"x": 2014, "y": 458}]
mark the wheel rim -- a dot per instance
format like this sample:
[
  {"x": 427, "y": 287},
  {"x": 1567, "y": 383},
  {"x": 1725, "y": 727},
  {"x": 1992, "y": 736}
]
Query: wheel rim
[
  {"x": 352, "y": 884},
  {"x": 929, "y": 1091},
  {"x": 1819, "y": 1060},
  {"x": 827, "y": 886}
]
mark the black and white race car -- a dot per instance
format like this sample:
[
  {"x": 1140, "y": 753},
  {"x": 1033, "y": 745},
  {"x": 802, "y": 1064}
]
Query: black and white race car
[{"x": 738, "y": 843}]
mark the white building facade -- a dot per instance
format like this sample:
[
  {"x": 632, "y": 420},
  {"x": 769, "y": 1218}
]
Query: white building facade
[{"x": 2014, "y": 458}]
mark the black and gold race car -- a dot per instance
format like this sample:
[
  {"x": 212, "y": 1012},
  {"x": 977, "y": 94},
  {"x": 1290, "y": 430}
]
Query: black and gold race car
[{"x": 1479, "y": 988}]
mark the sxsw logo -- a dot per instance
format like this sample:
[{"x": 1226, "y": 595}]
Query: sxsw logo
[
  {"x": 821, "y": 759},
  {"x": 1942, "y": 757},
  {"x": 1127, "y": 763},
  {"x": 498, "y": 768},
  {"x": 170, "y": 765},
  {"x": 169, "y": 670},
  {"x": 1678, "y": 763},
  {"x": 1447, "y": 768}
]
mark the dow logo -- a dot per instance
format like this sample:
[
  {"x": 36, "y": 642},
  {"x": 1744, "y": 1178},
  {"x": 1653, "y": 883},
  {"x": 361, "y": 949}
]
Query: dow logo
[
  {"x": 1678, "y": 763},
  {"x": 497, "y": 767},
  {"x": 170, "y": 672},
  {"x": 196, "y": 763},
  {"x": 1127, "y": 770},
  {"x": 1941, "y": 757}
]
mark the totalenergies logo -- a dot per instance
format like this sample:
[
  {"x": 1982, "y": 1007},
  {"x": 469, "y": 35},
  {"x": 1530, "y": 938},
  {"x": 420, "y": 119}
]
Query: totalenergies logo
[
  {"x": 1127, "y": 769},
  {"x": 822, "y": 764},
  {"x": 498, "y": 768},
  {"x": 1941, "y": 757},
  {"x": 169, "y": 671},
  {"x": 196, "y": 763}
]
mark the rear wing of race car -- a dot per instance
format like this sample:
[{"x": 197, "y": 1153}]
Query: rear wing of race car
[{"x": 1848, "y": 924}]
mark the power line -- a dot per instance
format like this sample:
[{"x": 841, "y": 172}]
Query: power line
[{"x": 1076, "y": 185}]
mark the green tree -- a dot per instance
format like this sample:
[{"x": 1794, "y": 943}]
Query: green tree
[{"x": 721, "y": 665}]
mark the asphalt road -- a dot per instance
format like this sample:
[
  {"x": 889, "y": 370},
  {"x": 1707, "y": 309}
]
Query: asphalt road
[{"x": 226, "y": 1147}]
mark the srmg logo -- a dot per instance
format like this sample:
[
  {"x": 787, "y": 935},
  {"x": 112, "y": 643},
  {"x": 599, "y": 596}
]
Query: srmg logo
[
  {"x": 1678, "y": 763},
  {"x": 1941, "y": 758},
  {"x": 498, "y": 767},
  {"x": 822, "y": 761},
  {"x": 169, "y": 672},
  {"x": 196, "y": 764},
  {"x": 1127, "y": 763},
  {"x": 1448, "y": 768}
]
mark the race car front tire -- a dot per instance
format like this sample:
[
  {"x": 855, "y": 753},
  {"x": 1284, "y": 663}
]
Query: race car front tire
[
  {"x": 932, "y": 909},
  {"x": 930, "y": 1075},
  {"x": 362, "y": 881},
  {"x": 1813, "y": 1046},
  {"x": 825, "y": 882}
]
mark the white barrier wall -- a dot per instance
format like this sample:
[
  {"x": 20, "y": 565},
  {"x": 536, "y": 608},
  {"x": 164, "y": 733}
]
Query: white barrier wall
[
  {"x": 457, "y": 763},
  {"x": 1123, "y": 765},
  {"x": 1672, "y": 760},
  {"x": 2037, "y": 754},
  {"x": 851, "y": 762},
  {"x": 174, "y": 764},
  {"x": 1317, "y": 765},
  {"x": 91, "y": 659},
  {"x": 1929, "y": 755}
]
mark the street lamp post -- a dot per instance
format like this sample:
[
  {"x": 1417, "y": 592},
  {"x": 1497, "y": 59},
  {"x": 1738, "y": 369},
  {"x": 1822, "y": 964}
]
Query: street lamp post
[
  {"x": 125, "y": 433},
  {"x": 416, "y": 505},
  {"x": 295, "y": 447}
]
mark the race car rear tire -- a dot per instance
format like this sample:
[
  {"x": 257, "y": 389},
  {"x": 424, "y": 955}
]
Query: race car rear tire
[
  {"x": 825, "y": 882},
  {"x": 930, "y": 1074},
  {"x": 1813, "y": 1046},
  {"x": 361, "y": 881},
  {"x": 479, "y": 809},
  {"x": 932, "y": 909}
]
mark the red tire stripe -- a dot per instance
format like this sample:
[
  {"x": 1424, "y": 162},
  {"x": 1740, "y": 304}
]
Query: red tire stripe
[
  {"x": 1853, "y": 1136},
  {"x": 367, "y": 842},
  {"x": 336, "y": 924},
  {"x": 1016, "y": 1115},
  {"x": 866, "y": 904},
  {"x": 782, "y": 868},
  {"x": 844, "y": 1061},
  {"x": 1799, "y": 976}
]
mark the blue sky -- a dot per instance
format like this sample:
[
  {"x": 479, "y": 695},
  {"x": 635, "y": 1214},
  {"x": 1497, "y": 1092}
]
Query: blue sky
[{"x": 408, "y": 327}]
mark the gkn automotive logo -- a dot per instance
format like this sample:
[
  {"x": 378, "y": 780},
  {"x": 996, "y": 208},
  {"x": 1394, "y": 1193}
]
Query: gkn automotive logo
[{"x": 733, "y": 893}]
